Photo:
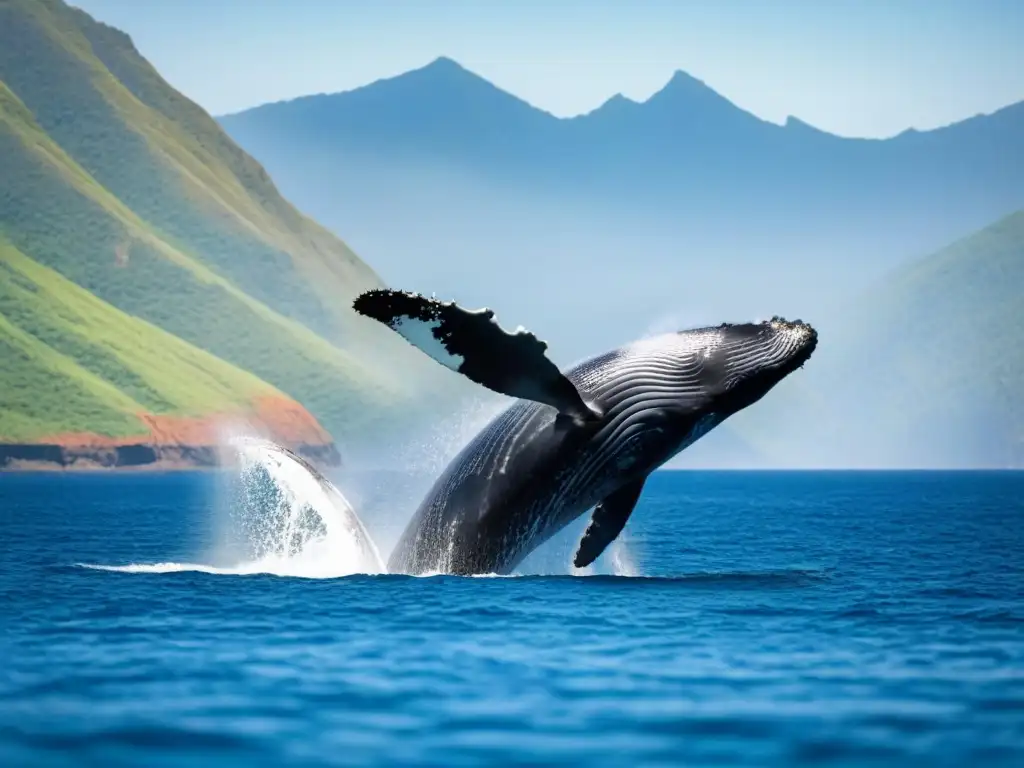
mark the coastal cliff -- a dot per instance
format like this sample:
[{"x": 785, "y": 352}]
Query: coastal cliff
[{"x": 172, "y": 442}]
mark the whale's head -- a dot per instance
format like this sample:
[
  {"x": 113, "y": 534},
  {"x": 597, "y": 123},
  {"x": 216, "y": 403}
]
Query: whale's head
[{"x": 743, "y": 362}]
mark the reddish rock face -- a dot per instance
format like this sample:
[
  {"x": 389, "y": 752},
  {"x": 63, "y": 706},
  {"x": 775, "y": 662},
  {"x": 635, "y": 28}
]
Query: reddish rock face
[
  {"x": 178, "y": 441},
  {"x": 290, "y": 422}
]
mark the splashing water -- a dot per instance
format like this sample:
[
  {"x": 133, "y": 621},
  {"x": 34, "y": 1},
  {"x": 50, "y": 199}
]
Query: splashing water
[
  {"x": 295, "y": 521},
  {"x": 622, "y": 563},
  {"x": 286, "y": 519}
]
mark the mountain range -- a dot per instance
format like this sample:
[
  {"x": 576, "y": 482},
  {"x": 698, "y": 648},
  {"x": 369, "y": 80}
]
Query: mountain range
[
  {"x": 685, "y": 209},
  {"x": 153, "y": 282},
  {"x": 684, "y": 143},
  {"x": 457, "y": 187}
]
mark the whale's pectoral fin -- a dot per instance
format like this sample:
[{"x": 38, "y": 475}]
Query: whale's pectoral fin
[
  {"x": 473, "y": 344},
  {"x": 607, "y": 522}
]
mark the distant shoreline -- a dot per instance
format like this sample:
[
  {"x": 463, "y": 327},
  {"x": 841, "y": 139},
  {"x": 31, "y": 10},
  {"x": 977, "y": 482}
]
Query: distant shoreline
[
  {"x": 81, "y": 467},
  {"x": 84, "y": 466},
  {"x": 135, "y": 457}
]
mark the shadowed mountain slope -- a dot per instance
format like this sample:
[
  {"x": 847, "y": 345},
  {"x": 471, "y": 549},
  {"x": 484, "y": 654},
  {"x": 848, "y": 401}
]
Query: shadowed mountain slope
[{"x": 925, "y": 369}]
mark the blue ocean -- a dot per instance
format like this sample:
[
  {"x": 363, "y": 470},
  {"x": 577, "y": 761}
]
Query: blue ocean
[{"x": 848, "y": 618}]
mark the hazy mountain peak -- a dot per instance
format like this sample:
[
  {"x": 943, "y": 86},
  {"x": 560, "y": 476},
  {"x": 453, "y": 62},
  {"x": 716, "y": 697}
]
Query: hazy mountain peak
[
  {"x": 443, "y": 68},
  {"x": 615, "y": 105},
  {"x": 444, "y": 64},
  {"x": 686, "y": 94},
  {"x": 683, "y": 85},
  {"x": 688, "y": 101},
  {"x": 443, "y": 84},
  {"x": 619, "y": 100},
  {"x": 441, "y": 75},
  {"x": 683, "y": 79}
]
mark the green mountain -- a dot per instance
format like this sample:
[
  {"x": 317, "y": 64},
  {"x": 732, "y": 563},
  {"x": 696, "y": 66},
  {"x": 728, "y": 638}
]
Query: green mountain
[
  {"x": 117, "y": 183},
  {"x": 74, "y": 364},
  {"x": 924, "y": 370}
]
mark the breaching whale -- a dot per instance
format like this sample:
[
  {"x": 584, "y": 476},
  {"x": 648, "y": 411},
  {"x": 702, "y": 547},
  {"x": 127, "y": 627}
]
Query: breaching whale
[{"x": 586, "y": 438}]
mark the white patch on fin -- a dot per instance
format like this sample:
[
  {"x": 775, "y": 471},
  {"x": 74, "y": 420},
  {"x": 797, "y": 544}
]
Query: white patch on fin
[{"x": 420, "y": 333}]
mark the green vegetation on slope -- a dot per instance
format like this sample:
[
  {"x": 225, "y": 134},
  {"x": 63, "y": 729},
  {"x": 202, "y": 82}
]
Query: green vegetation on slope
[
  {"x": 97, "y": 242},
  {"x": 952, "y": 327},
  {"x": 126, "y": 188},
  {"x": 74, "y": 364},
  {"x": 102, "y": 103},
  {"x": 925, "y": 369}
]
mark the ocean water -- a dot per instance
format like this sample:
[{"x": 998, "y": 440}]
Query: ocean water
[{"x": 757, "y": 619}]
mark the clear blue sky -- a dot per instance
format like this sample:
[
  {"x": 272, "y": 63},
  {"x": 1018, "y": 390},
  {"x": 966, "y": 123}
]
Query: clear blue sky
[{"x": 857, "y": 68}]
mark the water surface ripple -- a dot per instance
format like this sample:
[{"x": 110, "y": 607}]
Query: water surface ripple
[{"x": 776, "y": 619}]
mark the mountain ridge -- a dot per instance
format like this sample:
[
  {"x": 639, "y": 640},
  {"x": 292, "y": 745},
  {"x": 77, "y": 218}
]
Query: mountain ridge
[
  {"x": 683, "y": 141},
  {"x": 445, "y": 65},
  {"x": 682, "y": 180}
]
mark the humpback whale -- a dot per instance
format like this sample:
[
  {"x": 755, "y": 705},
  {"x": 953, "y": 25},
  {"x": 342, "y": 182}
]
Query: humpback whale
[{"x": 574, "y": 441}]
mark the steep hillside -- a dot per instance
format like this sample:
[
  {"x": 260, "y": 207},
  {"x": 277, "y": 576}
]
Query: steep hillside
[
  {"x": 126, "y": 188},
  {"x": 92, "y": 93},
  {"x": 925, "y": 369},
  {"x": 950, "y": 331},
  {"x": 83, "y": 382}
]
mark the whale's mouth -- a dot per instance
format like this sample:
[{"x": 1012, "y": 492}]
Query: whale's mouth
[
  {"x": 801, "y": 358},
  {"x": 801, "y": 337}
]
